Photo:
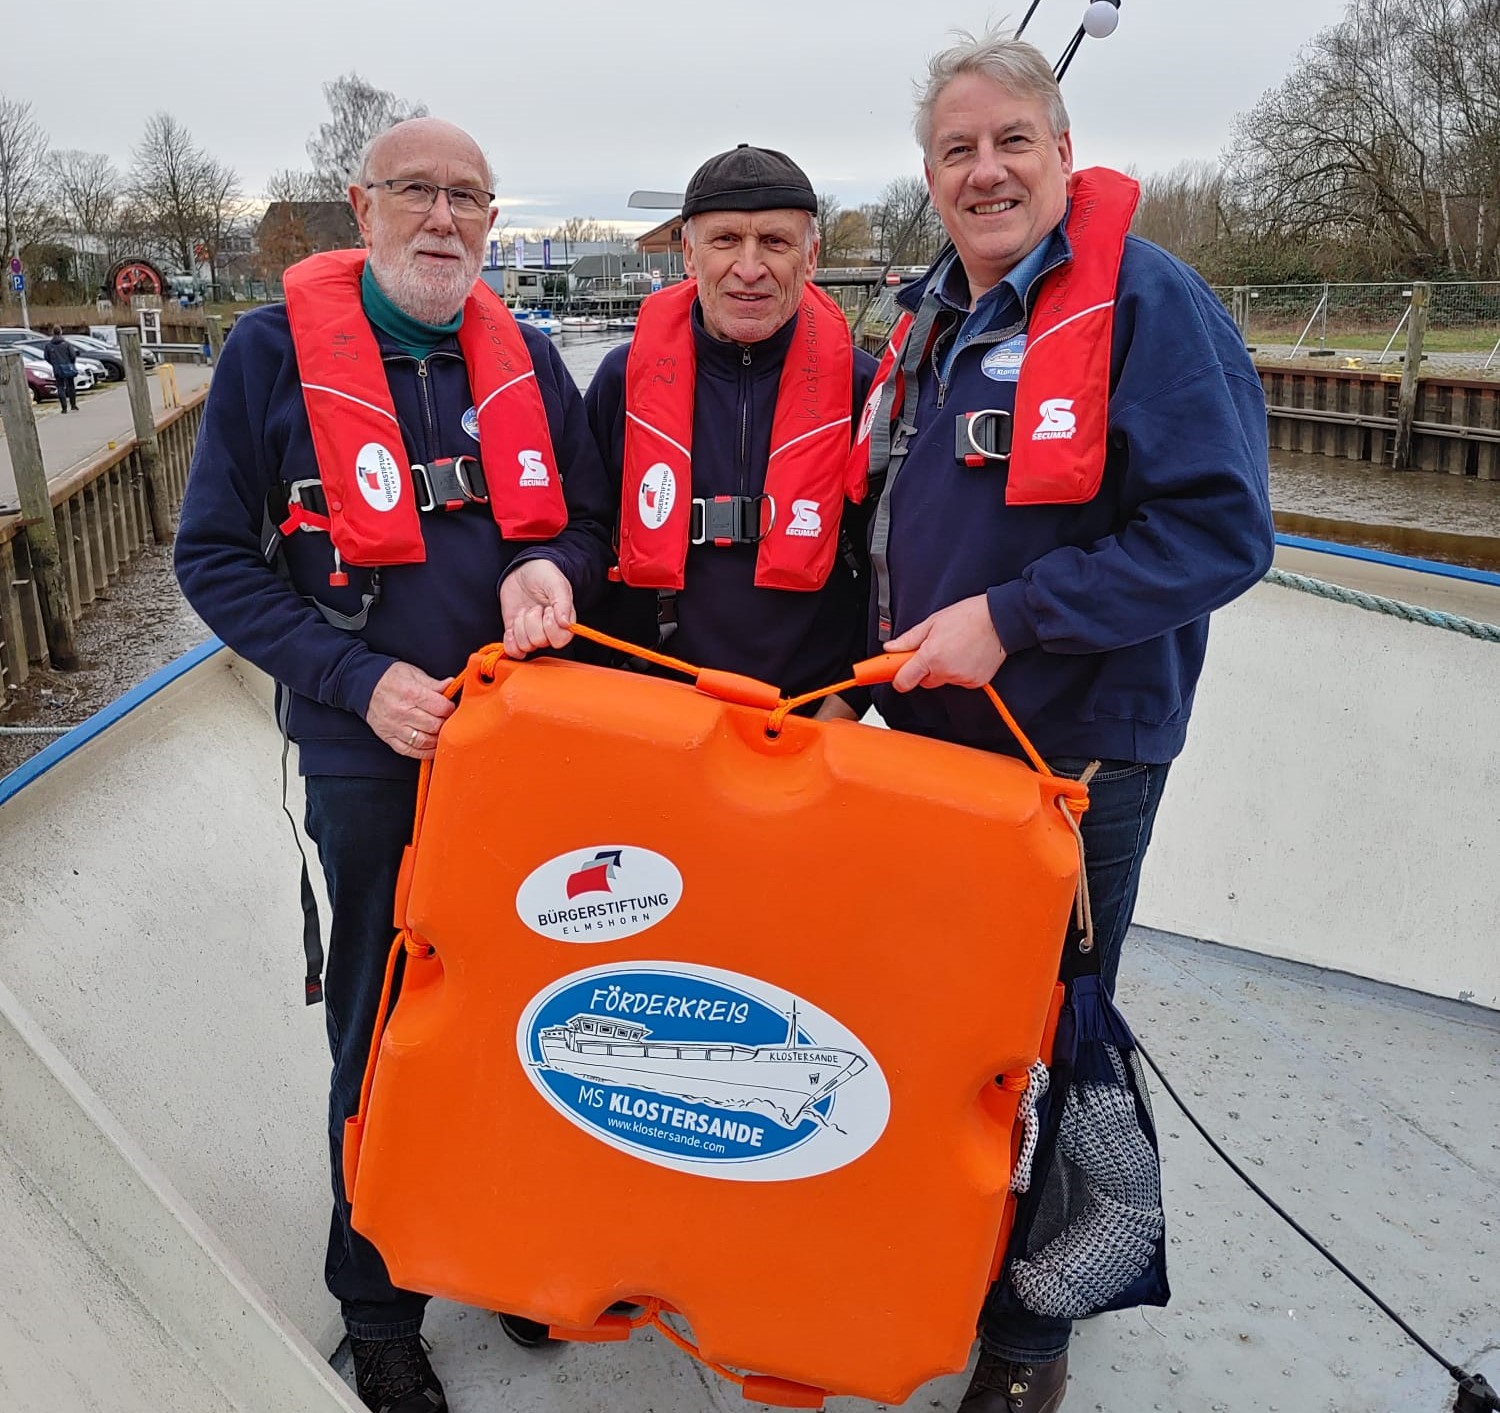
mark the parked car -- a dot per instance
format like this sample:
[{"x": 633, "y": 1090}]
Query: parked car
[
  {"x": 109, "y": 359},
  {"x": 83, "y": 358},
  {"x": 43, "y": 382},
  {"x": 39, "y": 378},
  {"x": 107, "y": 355}
]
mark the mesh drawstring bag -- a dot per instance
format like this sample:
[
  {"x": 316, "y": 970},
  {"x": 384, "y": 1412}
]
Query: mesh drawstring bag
[{"x": 1090, "y": 1233}]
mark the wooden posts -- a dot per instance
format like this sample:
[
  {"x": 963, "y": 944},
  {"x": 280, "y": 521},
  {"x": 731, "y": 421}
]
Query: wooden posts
[
  {"x": 215, "y": 325},
  {"x": 145, "y": 434},
  {"x": 1406, "y": 407},
  {"x": 36, "y": 507}
]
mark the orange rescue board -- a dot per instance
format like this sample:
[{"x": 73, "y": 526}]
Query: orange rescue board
[{"x": 713, "y": 1017}]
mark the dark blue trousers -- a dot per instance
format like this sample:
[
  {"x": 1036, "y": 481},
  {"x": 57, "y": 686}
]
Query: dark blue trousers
[
  {"x": 1123, "y": 798},
  {"x": 360, "y": 828}
]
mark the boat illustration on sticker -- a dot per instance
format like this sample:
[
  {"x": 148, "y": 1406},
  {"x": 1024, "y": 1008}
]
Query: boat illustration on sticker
[{"x": 704, "y": 1071}]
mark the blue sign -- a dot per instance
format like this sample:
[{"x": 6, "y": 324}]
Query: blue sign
[
  {"x": 704, "y": 1071},
  {"x": 546, "y": 253},
  {"x": 655, "y": 281},
  {"x": 18, "y": 283}
]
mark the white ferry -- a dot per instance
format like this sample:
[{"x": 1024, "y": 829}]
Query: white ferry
[{"x": 784, "y": 1080}]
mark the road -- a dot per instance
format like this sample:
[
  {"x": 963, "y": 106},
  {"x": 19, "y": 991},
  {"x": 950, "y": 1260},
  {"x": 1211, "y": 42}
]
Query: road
[{"x": 103, "y": 417}]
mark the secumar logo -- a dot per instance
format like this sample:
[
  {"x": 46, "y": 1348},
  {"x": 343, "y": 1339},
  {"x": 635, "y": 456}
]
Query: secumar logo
[
  {"x": 599, "y": 894},
  {"x": 377, "y": 473},
  {"x": 704, "y": 1071},
  {"x": 806, "y": 522},
  {"x": 533, "y": 468},
  {"x": 470, "y": 423},
  {"x": 658, "y": 491},
  {"x": 1058, "y": 422}
]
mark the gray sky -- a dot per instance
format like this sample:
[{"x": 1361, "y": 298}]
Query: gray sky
[{"x": 580, "y": 103}]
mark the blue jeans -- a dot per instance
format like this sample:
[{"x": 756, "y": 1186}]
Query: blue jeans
[
  {"x": 360, "y": 828},
  {"x": 1123, "y": 798}
]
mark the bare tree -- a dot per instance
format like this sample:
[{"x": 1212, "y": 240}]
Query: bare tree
[
  {"x": 223, "y": 210},
  {"x": 87, "y": 194},
  {"x": 290, "y": 184},
  {"x": 843, "y": 236},
  {"x": 1183, "y": 210},
  {"x": 1383, "y": 144},
  {"x": 583, "y": 228},
  {"x": 905, "y": 226},
  {"x": 359, "y": 111},
  {"x": 169, "y": 184},
  {"x": 86, "y": 191},
  {"x": 23, "y": 177}
]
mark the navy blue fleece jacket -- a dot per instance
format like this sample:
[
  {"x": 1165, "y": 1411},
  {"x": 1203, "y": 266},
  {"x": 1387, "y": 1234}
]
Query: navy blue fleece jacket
[
  {"x": 1102, "y": 608},
  {"x": 434, "y": 614}
]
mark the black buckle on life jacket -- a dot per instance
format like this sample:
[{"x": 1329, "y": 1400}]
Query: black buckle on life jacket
[
  {"x": 309, "y": 495},
  {"x": 982, "y": 436},
  {"x": 731, "y": 520},
  {"x": 449, "y": 483}
]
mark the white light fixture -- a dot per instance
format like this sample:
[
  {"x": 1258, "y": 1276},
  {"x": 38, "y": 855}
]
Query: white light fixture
[{"x": 1100, "y": 19}]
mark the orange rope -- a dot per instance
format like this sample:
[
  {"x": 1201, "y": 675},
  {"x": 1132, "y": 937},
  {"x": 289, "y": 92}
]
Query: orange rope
[{"x": 655, "y": 1320}]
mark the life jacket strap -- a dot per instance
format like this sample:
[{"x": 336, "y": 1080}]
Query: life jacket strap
[{"x": 302, "y": 505}]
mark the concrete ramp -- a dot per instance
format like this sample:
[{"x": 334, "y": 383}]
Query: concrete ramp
[
  {"x": 116, "y": 1296},
  {"x": 149, "y": 923}
]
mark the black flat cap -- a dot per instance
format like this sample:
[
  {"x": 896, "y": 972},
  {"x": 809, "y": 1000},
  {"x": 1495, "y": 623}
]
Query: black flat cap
[{"x": 749, "y": 179}]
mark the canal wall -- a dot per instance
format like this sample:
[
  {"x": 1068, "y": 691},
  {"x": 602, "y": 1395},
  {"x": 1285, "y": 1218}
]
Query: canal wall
[
  {"x": 103, "y": 523},
  {"x": 1352, "y": 413}
]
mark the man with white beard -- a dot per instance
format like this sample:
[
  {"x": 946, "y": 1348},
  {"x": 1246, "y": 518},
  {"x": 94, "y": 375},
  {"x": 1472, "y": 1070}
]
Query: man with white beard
[{"x": 376, "y": 457}]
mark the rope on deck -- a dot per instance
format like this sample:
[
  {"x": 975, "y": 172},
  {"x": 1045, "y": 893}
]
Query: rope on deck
[{"x": 1412, "y": 613}]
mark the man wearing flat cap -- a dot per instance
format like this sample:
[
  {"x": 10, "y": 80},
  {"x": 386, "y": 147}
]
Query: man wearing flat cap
[{"x": 726, "y": 427}]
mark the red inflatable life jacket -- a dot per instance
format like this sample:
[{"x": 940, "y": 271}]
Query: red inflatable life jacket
[
  {"x": 804, "y": 472},
  {"x": 362, "y": 459},
  {"x": 1061, "y": 412}
]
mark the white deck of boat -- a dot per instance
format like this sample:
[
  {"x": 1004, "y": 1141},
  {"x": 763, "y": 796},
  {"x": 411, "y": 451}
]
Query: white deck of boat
[{"x": 163, "y": 1188}]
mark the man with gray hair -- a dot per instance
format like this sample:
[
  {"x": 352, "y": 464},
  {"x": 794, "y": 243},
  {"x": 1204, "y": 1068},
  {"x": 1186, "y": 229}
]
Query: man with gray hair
[
  {"x": 725, "y": 427},
  {"x": 1067, "y": 443},
  {"x": 376, "y": 457}
]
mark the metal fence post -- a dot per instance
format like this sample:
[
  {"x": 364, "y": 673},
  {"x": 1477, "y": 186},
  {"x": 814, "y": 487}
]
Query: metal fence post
[
  {"x": 1240, "y": 311},
  {"x": 145, "y": 434},
  {"x": 1406, "y": 408},
  {"x": 36, "y": 508}
]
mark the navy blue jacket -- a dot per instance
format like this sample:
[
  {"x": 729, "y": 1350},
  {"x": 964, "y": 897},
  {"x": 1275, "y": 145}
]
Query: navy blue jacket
[
  {"x": 61, "y": 355},
  {"x": 1102, "y": 608},
  {"x": 797, "y": 640},
  {"x": 434, "y": 614}
]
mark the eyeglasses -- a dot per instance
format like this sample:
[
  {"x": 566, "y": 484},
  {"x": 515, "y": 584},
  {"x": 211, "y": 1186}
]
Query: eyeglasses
[{"x": 467, "y": 203}]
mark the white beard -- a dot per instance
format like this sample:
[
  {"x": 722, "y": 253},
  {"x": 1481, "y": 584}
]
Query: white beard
[{"x": 433, "y": 296}]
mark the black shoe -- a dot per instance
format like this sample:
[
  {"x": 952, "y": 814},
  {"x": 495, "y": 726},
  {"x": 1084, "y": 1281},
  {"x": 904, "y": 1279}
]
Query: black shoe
[
  {"x": 1008, "y": 1386},
  {"x": 529, "y": 1334},
  {"x": 393, "y": 1376}
]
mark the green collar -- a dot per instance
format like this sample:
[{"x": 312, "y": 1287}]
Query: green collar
[{"x": 411, "y": 335}]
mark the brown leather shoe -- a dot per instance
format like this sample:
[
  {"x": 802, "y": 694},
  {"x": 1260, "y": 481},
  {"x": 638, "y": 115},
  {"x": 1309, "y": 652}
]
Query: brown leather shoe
[{"x": 1005, "y": 1386}]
